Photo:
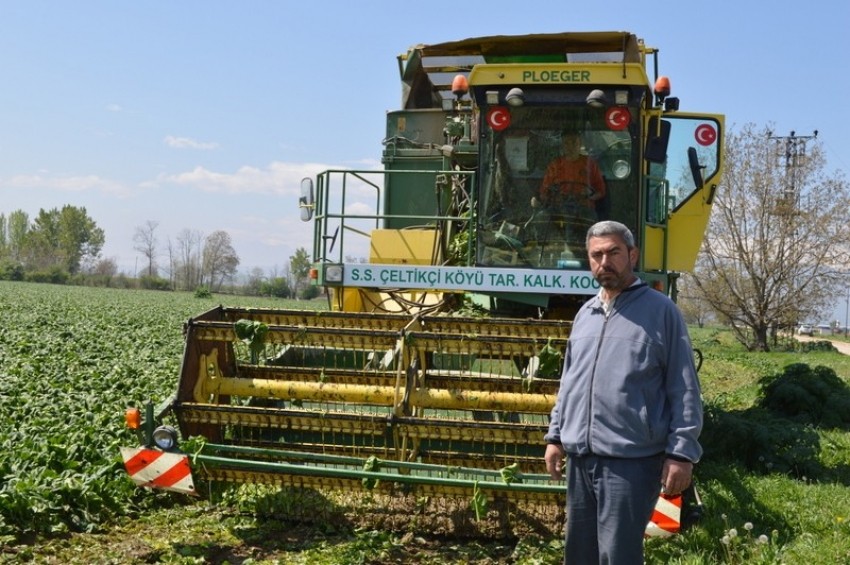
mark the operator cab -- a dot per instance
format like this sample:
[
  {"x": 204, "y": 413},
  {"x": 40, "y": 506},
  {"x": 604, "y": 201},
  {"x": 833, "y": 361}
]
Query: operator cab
[{"x": 527, "y": 220}]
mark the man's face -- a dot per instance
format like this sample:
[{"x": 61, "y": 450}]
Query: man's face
[
  {"x": 572, "y": 145},
  {"x": 611, "y": 262}
]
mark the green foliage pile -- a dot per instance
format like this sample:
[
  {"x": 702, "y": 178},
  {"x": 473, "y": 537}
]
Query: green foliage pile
[
  {"x": 779, "y": 433},
  {"x": 808, "y": 395}
]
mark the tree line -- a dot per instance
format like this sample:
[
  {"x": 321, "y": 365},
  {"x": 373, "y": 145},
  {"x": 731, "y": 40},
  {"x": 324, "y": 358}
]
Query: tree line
[
  {"x": 192, "y": 261},
  {"x": 64, "y": 246},
  {"x": 56, "y": 245}
]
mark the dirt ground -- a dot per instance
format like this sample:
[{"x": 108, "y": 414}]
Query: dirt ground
[{"x": 841, "y": 346}]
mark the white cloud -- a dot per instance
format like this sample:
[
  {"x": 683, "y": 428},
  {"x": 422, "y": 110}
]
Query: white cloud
[
  {"x": 359, "y": 208},
  {"x": 276, "y": 178},
  {"x": 188, "y": 143},
  {"x": 66, "y": 183},
  {"x": 114, "y": 108},
  {"x": 368, "y": 164}
]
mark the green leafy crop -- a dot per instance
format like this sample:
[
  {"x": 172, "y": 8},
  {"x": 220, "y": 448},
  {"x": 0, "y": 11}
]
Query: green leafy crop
[{"x": 253, "y": 333}]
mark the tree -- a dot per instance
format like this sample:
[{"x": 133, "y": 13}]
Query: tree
[
  {"x": 41, "y": 242},
  {"x": 17, "y": 227},
  {"x": 187, "y": 262},
  {"x": 299, "y": 265},
  {"x": 254, "y": 281},
  {"x": 104, "y": 270},
  {"x": 220, "y": 260},
  {"x": 777, "y": 240},
  {"x": 693, "y": 306},
  {"x": 172, "y": 263},
  {"x": 66, "y": 238},
  {"x": 3, "y": 237},
  {"x": 145, "y": 243}
]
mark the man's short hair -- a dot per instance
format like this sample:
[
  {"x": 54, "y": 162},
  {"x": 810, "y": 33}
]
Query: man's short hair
[{"x": 610, "y": 227}]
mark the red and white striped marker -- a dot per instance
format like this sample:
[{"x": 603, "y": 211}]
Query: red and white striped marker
[
  {"x": 666, "y": 518},
  {"x": 158, "y": 469}
]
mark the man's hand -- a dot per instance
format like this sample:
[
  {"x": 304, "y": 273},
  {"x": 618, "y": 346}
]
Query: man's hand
[
  {"x": 554, "y": 458},
  {"x": 676, "y": 476}
]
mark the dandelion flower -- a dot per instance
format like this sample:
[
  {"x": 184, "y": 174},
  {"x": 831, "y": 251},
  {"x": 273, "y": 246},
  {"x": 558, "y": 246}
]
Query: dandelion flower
[
  {"x": 763, "y": 539},
  {"x": 725, "y": 540},
  {"x": 748, "y": 526},
  {"x": 733, "y": 533}
]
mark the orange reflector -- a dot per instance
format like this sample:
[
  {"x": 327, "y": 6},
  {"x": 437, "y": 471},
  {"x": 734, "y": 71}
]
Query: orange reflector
[
  {"x": 314, "y": 274},
  {"x": 133, "y": 418},
  {"x": 658, "y": 285}
]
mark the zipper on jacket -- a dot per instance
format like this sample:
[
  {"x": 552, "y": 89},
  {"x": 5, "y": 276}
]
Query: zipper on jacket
[{"x": 606, "y": 313}]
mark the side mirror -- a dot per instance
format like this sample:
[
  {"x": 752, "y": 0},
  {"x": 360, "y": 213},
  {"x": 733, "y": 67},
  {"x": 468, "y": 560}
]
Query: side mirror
[
  {"x": 696, "y": 168},
  {"x": 657, "y": 139},
  {"x": 305, "y": 201}
]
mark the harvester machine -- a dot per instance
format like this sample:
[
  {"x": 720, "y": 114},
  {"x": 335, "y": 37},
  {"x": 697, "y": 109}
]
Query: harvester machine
[{"x": 452, "y": 275}]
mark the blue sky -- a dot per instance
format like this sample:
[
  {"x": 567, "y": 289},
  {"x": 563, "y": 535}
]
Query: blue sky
[{"x": 206, "y": 115}]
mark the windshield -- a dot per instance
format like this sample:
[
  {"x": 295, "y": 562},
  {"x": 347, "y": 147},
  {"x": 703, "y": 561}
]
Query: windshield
[{"x": 545, "y": 179}]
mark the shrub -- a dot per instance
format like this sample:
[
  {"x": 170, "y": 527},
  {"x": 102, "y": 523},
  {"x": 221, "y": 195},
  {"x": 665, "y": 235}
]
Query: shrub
[
  {"x": 761, "y": 442},
  {"x": 277, "y": 287},
  {"x": 154, "y": 283},
  {"x": 11, "y": 271},
  {"x": 203, "y": 292},
  {"x": 309, "y": 292},
  {"x": 54, "y": 275},
  {"x": 122, "y": 281}
]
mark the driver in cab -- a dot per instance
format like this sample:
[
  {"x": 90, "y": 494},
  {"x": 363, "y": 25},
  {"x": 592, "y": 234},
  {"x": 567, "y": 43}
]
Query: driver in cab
[{"x": 571, "y": 177}]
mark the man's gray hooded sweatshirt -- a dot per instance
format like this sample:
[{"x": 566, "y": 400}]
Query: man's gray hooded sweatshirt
[{"x": 629, "y": 386}]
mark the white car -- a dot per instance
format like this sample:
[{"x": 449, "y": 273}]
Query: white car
[{"x": 806, "y": 329}]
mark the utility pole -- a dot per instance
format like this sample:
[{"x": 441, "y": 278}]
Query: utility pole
[
  {"x": 847, "y": 313},
  {"x": 792, "y": 148}
]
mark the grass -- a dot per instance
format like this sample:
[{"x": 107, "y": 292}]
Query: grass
[{"x": 752, "y": 513}]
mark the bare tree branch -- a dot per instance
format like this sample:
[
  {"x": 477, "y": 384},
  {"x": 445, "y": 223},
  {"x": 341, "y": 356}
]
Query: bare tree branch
[{"x": 777, "y": 242}]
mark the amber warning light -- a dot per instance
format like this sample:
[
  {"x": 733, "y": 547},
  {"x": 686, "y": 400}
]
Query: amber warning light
[
  {"x": 133, "y": 418},
  {"x": 662, "y": 87}
]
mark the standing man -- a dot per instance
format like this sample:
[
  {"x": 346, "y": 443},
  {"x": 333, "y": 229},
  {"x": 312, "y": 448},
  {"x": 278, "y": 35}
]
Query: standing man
[{"x": 628, "y": 413}]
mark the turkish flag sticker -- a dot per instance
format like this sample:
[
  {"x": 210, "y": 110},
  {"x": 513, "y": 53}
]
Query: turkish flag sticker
[
  {"x": 498, "y": 117},
  {"x": 617, "y": 118},
  {"x": 705, "y": 134}
]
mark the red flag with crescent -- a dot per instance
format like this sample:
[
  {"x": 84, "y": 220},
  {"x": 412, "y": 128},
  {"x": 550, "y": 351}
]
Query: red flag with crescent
[{"x": 498, "y": 118}]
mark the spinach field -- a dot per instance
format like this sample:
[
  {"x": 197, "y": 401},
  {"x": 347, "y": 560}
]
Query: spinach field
[
  {"x": 775, "y": 479},
  {"x": 71, "y": 360}
]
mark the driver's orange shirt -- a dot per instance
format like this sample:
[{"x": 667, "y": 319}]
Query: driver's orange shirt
[{"x": 573, "y": 177}]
